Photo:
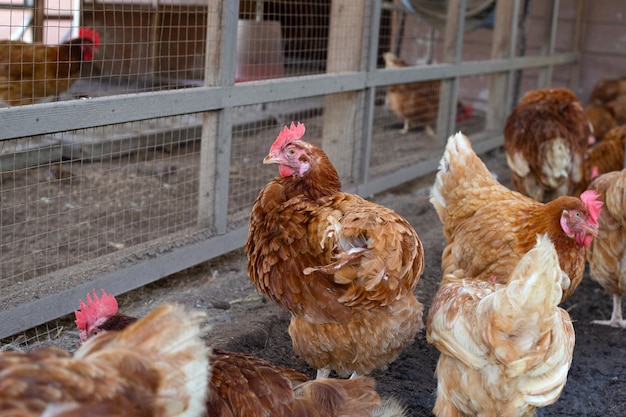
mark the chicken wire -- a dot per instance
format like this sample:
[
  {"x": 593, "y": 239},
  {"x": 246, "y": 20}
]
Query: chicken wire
[
  {"x": 251, "y": 143},
  {"x": 45, "y": 335},
  {"x": 121, "y": 185},
  {"x": 79, "y": 204}
]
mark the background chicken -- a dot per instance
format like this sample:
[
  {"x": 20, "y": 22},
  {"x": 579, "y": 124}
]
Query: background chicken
[
  {"x": 158, "y": 366},
  {"x": 607, "y": 90},
  {"x": 489, "y": 227},
  {"x": 505, "y": 349},
  {"x": 344, "y": 267},
  {"x": 545, "y": 139},
  {"x": 607, "y": 155},
  {"x": 417, "y": 102},
  {"x": 607, "y": 105},
  {"x": 30, "y": 72},
  {"x": 617, "y": 107},
  {"x": 601, "y": 118},
  {"x": 242, "y": 385},
  {"x": 607, "y": 253}
]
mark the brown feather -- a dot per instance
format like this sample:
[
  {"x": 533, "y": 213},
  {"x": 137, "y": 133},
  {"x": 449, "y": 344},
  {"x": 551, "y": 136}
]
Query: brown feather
[
  {"x": 489, "y": 227},
  {"x": 415, "y": 103},
  {"x": 156, "y": 367},
  {"x": 341, "y": 265},
  {"x": 30, "y": 72},
  {"x": 607, "y": 253},
  {"x": 545, "y": 139},
  {"x": 607, "y": 155},
  {"x": 505, "y": 348},
  {"x": 242, "y": 385}
]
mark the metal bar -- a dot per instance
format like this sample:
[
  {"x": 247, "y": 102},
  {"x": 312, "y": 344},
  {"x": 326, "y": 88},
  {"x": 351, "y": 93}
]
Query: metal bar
[
  {"x": 155, "y": 42},
  {"x": 361, "y": 173},
  {"x": 38, "y": 21},
  {"x": 46, "y": 118},
  {"x": 454, "y": 87}
]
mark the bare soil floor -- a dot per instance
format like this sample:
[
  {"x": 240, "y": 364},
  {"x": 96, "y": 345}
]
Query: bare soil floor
[{"x": 247, "y": 322}]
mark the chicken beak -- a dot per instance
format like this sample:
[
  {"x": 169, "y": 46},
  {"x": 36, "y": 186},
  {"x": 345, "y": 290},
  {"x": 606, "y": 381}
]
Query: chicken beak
[
  {"x": 269, "y": 159},
  {"x": 589, "y": 229}
]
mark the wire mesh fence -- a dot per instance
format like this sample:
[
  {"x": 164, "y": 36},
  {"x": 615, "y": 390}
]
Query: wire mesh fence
[{"x": 100, "y": 186}]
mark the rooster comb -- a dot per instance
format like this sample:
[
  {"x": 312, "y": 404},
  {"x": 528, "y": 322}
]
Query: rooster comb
[
  {"x": 95, "y": 309},
  {"x": 590, "y": 199},
  {"x": 89, "y": 33},
  {"x": 288, "y": 134}
]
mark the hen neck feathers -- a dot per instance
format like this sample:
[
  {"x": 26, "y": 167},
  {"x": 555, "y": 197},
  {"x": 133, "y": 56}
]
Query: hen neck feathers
[
  {"x": 545, "y": 218},
  {"x": 320, "y": 181}
]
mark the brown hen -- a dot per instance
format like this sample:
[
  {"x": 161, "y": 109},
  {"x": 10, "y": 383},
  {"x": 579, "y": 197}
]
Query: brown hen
[
  {"x": 601, "y": 118},
  {"x": 607, "y": 155},
  {"x": 607, "y": 253},
  {"x": 242, "y": 385},
  {"x": 607, "y": 90},
  {"x": 505, "y": 348},
  {"x": 545, "y": 140},
  {"x": 417, "y": 103},
  {"x": 489, "y": 227},
  {"x": 30, "y": 72},
  {"x": 345, "y": 268},
  {"x": 156, "y": 367}
]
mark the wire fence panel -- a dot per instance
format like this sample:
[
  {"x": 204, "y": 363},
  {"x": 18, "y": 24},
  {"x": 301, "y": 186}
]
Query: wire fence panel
[{"x": 133, "y": 141}]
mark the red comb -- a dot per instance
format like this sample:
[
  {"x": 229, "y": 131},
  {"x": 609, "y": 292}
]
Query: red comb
[
  {"x": 90, "y": 33},
  {"x": 95, "y": 309},
  {"x": 288, "y": 134},
  {"x": 590, "y": 198}
]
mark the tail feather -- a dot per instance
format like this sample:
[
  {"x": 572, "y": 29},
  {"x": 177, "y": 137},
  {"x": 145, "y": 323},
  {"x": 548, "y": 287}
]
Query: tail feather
[
  {"x": 347, "y": 397},
  {"x": 527, "y": 308},
  {"x": 461, "y": 177},
  {"x": 169, "y": 339},
  {"x": 390, "y": 408}
]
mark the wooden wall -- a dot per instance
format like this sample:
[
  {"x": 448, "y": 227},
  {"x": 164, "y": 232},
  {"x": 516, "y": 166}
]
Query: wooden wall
[{"x": 604, "y": 44}]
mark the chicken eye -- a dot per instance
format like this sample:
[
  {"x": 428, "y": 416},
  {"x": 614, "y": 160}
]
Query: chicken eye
[{"x": 291, "y": 152}]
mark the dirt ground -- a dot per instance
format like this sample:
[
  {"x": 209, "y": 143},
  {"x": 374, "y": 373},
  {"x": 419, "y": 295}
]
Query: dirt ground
[{"x": 242, "y": 320}]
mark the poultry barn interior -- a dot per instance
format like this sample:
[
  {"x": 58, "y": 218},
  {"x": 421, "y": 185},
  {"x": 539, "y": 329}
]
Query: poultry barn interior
[{"x": 132, "y": 142}]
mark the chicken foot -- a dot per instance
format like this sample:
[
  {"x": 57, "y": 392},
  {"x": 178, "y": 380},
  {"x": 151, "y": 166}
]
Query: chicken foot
[{"x": 616, "y": 317}]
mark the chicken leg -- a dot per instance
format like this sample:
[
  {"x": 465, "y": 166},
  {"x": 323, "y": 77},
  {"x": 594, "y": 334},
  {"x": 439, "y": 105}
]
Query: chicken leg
[{"x": 617, "y": 319}]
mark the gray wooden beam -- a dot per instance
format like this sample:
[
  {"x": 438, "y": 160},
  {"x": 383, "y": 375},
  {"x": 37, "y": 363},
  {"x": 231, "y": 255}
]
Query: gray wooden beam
[
  {"x": 341, "y": 131},
  {"x": 215, "y": 142},
  {"x": 549, "y": 42},
  {"x": 46, "y": 118},
  {"x": 452, "y": 51},
  {"x": 500, "y": 84}
]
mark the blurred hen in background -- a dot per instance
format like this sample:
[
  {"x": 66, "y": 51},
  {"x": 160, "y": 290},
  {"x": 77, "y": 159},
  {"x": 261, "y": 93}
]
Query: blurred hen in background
[
  {"x": 418, "y": 103},
  {"x": 30, "y": 72},
  {"x": 545, "y": 140}
]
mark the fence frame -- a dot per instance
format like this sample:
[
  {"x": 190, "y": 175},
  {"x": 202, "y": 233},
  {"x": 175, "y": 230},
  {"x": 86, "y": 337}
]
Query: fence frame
[{"x": 216, "y": 100}]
